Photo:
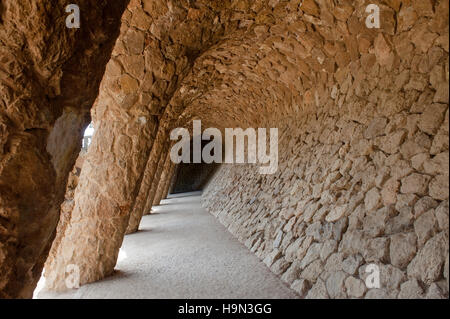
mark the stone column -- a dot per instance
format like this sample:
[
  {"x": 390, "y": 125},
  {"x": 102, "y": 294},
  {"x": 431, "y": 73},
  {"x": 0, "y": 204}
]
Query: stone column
[
  {"x": 44, "y": 66},
  {"x": 169, "y": 181},
  {"x": 157, "y": 177},
  {"x": 156, "y": 182},
  {"x": 140, "y": 201},
  {"x": 135, "y": 219},
  {"x": 145, "y": 190},
  {"x": 161, "y": 188}
]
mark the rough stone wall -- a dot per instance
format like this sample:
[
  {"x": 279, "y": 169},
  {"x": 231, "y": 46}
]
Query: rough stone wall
[
  {"x": 364, "y": 163},
  {"x": 346, "y": 195},
  {"x": 43, "y": 68}
]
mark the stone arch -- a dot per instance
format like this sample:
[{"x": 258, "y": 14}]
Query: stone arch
[{"x": 154, "y": 51}]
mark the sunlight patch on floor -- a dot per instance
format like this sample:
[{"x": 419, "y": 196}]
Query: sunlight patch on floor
[{"x": 40, "y": 286}]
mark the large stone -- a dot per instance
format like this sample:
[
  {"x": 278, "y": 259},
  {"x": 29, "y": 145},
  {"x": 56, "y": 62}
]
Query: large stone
[
  {"x": 439, "y": 187},
  {"x": 372, "y": 200},
  {"x": 351, "y": 264},
  {"x": 336, "y": 213},
  {"x": 389, "y": 192},
  {"x": 391, "y": 277},
  {"x": 441, "y": 213},
  {"x": 376, "y": 249},
  {"x": 318, "y": 291},
  {"x": 415, "y": 184},
  {"x": 432, "y": 118},
  {"x": 280, "y": 266},
  {"x": 423, "y": 205},
  {"x": 402, "y": 249},
  {"x": 329, "y": 247},
  {"x": 312, "y": 271},
  {"x": 291, "y": 251},
  {"x": 390, "y": 143},
  {"x": 425, "y": 227},
  {"x": 383, "y": 50},
  {"x": 374, "y": 224},
  {"x": 410, "y": 290},
  {"x": 336, "y": 285},
  {"x": 439, "y": 164},
  {"x": 407, "y": 17},
  {"x": 355, "y": 287},
  {"x": 428, "y": 263},
  {"x": 312, "y": 254},
  {"x": 434, "y": 292},
  {"x": 292, "y": 273},
  {"x": 272, "y": 257},
  {"x": 375, "y": 128},
  {"x": 301, "y": 286}
]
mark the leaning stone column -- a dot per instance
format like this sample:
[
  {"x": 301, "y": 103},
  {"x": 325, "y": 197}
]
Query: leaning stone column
[
  {"x": 169, "y": 181},
  {"x": 145, "y": 190},
  {"x": 140, "y": 201},
  {"x": 42, "y": 114},
  {"x": 156, "y": 182},
  {"x": 163, "y": 181},
  {"x": 135, "y": 219}
]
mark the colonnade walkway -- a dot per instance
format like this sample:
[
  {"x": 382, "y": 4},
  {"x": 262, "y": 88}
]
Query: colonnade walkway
[{"x": 181, "y": 251}]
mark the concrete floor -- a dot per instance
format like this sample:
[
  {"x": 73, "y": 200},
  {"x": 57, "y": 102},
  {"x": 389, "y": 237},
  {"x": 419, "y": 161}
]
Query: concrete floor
[{"x": 181, "y": 251}]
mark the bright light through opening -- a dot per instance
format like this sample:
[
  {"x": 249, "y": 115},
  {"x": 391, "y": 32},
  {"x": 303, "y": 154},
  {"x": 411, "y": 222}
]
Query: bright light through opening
[
  {"x": 122, "y": 255},
  {"x": 89, "y": 130},
  {"x": 40, "y": 286},
  {"x": 87, "y": 139}
]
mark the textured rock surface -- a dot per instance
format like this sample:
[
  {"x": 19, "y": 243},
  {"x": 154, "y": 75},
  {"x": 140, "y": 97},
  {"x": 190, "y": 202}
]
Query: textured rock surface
[
  {"x": 155, "y": 190},
  {"x": 153, "y": 53},
  {"x": 69, "y": 203},
  {"x": 165, "y": 177},
  {"x": 43, "y": 68},
  {"x": 362, "y": 116},
  {"x": 359, "y": 178}
]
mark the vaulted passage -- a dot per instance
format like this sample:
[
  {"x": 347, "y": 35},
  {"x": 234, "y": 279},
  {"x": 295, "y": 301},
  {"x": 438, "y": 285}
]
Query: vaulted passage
[
  {"x": 353, "y": 95},
  {"x": 181, "y": 251}
]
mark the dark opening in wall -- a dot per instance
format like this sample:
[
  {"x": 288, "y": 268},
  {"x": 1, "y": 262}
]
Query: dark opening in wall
[{"x": 191, "y": 177}]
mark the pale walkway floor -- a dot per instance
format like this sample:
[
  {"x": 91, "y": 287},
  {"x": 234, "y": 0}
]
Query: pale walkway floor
[{"x": 181, "y": 251}]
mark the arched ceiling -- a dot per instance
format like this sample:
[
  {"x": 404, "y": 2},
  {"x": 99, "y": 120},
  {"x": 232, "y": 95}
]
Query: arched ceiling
[{"x": 280, "y": 62}]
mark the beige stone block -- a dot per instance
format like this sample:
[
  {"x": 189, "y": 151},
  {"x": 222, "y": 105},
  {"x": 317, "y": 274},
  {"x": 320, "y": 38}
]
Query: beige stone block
[
  {"x": 402, "y": 249},
  {"x": 415, "y": 184}
]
